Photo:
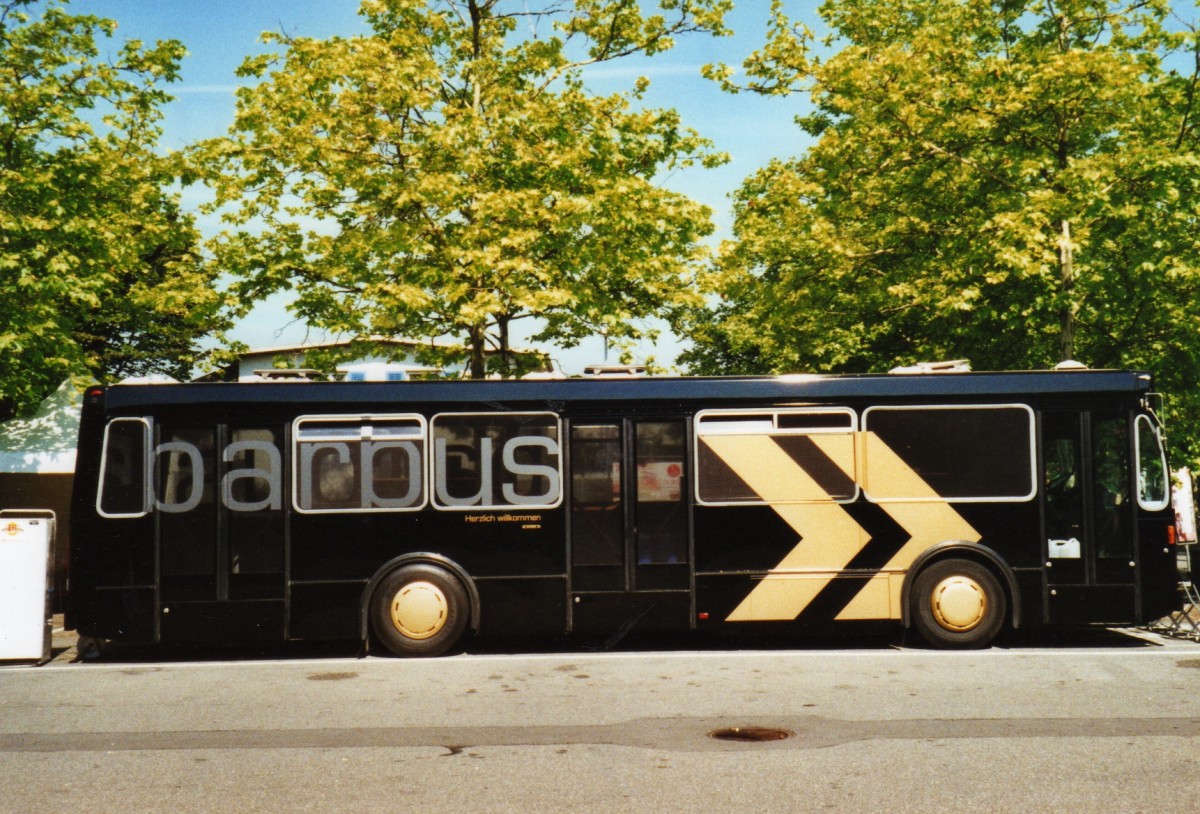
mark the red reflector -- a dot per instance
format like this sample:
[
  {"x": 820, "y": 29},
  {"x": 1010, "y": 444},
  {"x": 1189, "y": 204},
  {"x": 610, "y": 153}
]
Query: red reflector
[
  {"x": 702, "y": 615},
  {"x": 1172, "y": 533}
]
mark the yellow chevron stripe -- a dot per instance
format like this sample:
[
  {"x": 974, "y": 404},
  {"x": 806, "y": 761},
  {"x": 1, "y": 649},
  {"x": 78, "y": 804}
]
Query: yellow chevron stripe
[
  {"x": 829, "y": 536},
  {"x": 928, "y": 518}
]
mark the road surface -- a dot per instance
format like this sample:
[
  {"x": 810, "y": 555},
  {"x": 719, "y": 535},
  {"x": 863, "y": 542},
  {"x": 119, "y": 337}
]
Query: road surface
[{"x": 1098, "y": 723}]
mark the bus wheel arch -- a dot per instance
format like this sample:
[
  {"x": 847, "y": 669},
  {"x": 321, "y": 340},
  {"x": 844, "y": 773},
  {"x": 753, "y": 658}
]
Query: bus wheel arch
[
  {"x": 419, "y": 605},
  {"x": 960, "y": 595}
]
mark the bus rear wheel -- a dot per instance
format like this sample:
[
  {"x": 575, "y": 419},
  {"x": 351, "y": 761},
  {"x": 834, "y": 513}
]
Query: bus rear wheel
[
  {"x": 958, "y": 604},
  {"x": 419, "y": 610}
]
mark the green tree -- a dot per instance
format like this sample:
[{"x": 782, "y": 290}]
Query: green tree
[
  {"x": 99, "y": 272},
  {"x": 1012, "y": 182},
  {"x": 449, "y": 173}
]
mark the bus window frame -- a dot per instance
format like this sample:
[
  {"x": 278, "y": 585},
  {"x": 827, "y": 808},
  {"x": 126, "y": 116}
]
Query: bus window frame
[
  {"x": 1032, "y": 453},
  {"x": 773, "y": 430},
  {"x": 360, "y": 420},
  {"x": 560, "y": 465},
  {"x": 1156, "y": 431},
  {"x": 146, "y": 472}
]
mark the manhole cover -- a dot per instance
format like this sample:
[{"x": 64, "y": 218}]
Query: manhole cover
[{"x": 749, "y": 734}]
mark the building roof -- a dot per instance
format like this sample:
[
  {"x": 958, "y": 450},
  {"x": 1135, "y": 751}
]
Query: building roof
[{"x": 45, "y": 442}]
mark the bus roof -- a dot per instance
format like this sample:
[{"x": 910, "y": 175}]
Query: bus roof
[{"x": 731, "y": 389}]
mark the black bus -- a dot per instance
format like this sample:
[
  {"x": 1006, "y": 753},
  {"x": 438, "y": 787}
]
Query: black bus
[{"x": 411, "y": 514}]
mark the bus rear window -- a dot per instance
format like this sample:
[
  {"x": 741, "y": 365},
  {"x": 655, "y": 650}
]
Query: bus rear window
[{"x": 123, "y": 469}]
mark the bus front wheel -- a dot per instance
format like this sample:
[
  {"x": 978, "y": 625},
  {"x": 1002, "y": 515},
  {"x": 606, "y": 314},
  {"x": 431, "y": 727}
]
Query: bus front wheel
[
  {"x": 419, "y": 610},
  {"x": 958, "y": 604}
]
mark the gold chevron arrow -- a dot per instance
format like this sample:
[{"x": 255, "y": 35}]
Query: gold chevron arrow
[
  {"x": 829, "y": 537},
  {"x": 923, "y": 513}
]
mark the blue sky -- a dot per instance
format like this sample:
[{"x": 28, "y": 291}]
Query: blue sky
[{"x": 219, "y": 34}]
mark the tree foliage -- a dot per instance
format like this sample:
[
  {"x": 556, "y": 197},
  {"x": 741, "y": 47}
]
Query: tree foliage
[
  {"x": 1016, "y": 182},
  {"x": 99, "y": 274},
  {"x": 449, "y": 173}
]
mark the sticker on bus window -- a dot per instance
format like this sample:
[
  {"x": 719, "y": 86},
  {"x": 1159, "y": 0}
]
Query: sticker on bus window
[{"x": 660, "y": 482}]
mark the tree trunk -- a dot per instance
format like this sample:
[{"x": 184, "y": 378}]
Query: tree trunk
[
  {"x": 506, "y": 361},
  {"x": 476, "y": 365},
  {"x": 1066, "y": 255}
]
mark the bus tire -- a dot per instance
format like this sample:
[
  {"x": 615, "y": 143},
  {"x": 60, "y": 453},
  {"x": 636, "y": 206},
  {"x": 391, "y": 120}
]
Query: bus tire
[
  {"x": 419, "y": 610},
  {"x": 958, "y": 604}
]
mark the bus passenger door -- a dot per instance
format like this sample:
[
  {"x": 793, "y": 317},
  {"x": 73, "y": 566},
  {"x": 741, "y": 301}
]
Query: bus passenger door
[
  {"x": 219, "y": 502},
  {"x": 1088, "y": 517},
  {"x": 630, "y": 545}
]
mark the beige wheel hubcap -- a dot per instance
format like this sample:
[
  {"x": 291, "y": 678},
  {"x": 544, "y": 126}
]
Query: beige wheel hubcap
[
  {"x": 958, "y": 603},
  {"x": 419, "y": 610}
]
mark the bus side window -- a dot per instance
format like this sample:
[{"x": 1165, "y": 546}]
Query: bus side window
[
  {"x": 496, "y": 460},
  {"x": 1063, "y": 482},
  {"x": 185, "y": 472},
  {"x": 980, "y": 453},
  {"x": 124, "y": 468},
  {"x": 661, "y": 511},
  {"x": 780, "y": 456},
  {"x": 597, "y": 523},
  {"x": 252, "y": 488},
  {"x": 1153, "y": 478},
  {"x": 1110, "y": 489},
  {"x": 360, "y": 463}
]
